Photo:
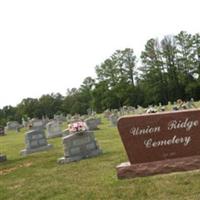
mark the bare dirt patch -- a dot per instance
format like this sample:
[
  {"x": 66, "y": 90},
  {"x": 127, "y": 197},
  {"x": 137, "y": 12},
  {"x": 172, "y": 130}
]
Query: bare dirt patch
[{"x": 9, "y": 170}]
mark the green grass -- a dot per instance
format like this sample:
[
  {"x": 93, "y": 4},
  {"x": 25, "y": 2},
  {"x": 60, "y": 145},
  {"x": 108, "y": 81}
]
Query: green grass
[{"x": 39, "y": 177}]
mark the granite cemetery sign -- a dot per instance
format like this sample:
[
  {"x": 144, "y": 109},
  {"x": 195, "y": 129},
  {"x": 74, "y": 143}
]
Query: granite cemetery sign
[{"x": 160, "y": 143}]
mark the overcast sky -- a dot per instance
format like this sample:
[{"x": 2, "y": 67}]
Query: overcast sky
[{"x": 50, "y": 45}]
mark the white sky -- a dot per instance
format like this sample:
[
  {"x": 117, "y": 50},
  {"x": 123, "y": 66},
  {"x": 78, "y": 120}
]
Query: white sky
[{"x": 50, "y": 45}]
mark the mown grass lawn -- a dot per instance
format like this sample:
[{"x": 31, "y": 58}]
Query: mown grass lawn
[{"x": 39, "y": 177}]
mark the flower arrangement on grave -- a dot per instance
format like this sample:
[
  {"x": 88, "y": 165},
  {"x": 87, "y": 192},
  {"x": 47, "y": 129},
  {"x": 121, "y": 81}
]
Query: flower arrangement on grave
[{"x": 77, "y": 127}]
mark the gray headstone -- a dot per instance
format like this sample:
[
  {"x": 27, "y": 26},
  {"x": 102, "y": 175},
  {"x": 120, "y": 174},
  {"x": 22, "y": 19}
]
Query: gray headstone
[
  {"x": 92, "y": 123},
  {"x": 53, "y": 129},
  {"x": 35, "y": 141},
  {"x": 113, "y": 119},
  {"x": 12, "y": 125},
  {"x": 78, "y": 146},
  {"x": 36, "y": 124}
]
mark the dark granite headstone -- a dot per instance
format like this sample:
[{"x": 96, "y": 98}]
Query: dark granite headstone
[
  {"x": 2, "y": 158},
  {"x": 159, "y": 143},
  {"x": 2, "y": 132}
]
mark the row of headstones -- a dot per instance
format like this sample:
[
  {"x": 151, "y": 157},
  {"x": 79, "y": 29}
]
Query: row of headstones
[
  {"x": 33, "y": 123},
  {"x": 38, "y": 123},
  {"x": 54, "y": 130},
  {"x": 76, "y": 145},
  {"x": 115, "y": 114},
  {"x": 51, "y": 125}
]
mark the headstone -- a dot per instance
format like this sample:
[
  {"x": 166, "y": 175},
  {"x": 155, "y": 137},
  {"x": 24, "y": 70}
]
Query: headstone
[
  {"x": 113, "y": 119},
  {"x": 89, "y": 111},
  {"x": 151, "y": 109},
  {"x": 98, "y": 121},
  {"x": 45, "y": 120},
  {"x": 75, "y": 118},
  {"x": 60, "y": 118},
  {"x": 36, "y": 124},
  {"x": 162, "y": 109},
  {"x": 160, "y": 143},
  {"x": 65, "y": 132},
  {"x": 53, "y": 129},
  {"x": 12, "y": 125},
  {"x": 175, "y": 106},
  {"x": 2, "y": 132},
  {"x": 35, "y": 141},
  {"x": 2, "y": 158},
  {"x": 107, "y": 113},
  {"x": 79, "y": 145},
  {"x": 191, "y": 104},
  {"x": 131, "y": 110},
  {"x": 169, "y": 105},
  {"x": 92, "y": 123},
  {"x": 68, "y": 117},
  {"x": 139, "y": 110},
  {"x": 24, "y": 122}
]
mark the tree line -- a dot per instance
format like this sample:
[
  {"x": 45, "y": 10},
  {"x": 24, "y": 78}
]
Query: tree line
[{"x": 167, "y": 70}]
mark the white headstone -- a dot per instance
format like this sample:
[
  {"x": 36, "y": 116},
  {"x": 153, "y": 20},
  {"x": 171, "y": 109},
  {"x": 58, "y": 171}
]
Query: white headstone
[{"x": 53, "y": 129}]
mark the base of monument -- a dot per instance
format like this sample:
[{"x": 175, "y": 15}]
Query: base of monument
[
  {"x": 127, "y": 170},
  {"x": 25, "y": 152},
  {"x": 64, "y": 160}
]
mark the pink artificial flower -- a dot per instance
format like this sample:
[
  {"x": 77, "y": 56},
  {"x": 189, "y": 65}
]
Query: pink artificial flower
[{"x": 77, "y": 127}]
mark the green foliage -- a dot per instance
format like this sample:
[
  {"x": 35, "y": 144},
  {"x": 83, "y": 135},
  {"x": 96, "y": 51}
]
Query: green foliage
[
  {"x": 168, "y": 70},
  {"x": 169, "y": 67}
]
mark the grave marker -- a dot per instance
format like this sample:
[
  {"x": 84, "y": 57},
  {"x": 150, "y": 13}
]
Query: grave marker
[
  {"x": 35, "y": 141},
  {"x": 2, "y": 132},
  {"x": 79, "y": 145},
  {"x": 12, "y": 125},
  {"x": 53, "y": 129},
  {"x": 2, "y": 158}
]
